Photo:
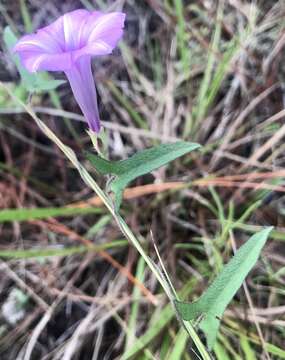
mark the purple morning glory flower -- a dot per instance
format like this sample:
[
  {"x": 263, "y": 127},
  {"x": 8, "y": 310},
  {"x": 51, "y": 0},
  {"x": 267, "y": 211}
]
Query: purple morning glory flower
[{"x": 68, "y": 45}]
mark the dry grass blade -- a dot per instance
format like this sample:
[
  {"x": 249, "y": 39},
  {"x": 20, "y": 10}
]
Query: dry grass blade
[
  {"x": 273, "y": 141},
  {"x": 57, "y": 227}
]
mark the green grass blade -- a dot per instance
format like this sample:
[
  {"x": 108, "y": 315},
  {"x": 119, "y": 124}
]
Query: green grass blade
[
  {"x": 25, "y": 214},
  {"x": 275, "y": 350},
  {"x": 51, "y": 252},
  {"x": 182, "y": 36},
  {"x": 41, "y": 253},
  {"x": 166, "y": 315},
  {"x": 206, "y": 82},
  {"x": 220, "y": 352},
  {"x": 100, "y": 224},
  {"x": 180, "y": 343},
  {"x": 26, "y": 16},
  {"x": 131, "y": 335},
  {"x": 247, "y": 349},
  {"x": 165, "y": 346},
  {"x": 157, "y": 324}
]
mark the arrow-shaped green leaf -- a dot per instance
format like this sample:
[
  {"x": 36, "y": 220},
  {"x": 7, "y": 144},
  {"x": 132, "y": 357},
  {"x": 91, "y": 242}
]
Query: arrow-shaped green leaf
[
  {"x": 139, "y": 164},
  {"x": 216, "y": 298}
]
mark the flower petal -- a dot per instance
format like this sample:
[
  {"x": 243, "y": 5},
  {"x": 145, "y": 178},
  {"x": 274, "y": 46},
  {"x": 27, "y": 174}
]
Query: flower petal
[
  {"x": 72, "y": 36},
  {"x": 108, "y": 28},
  {"x": 35, "y": 61},
  {"x": 39, "y": 42},
  {"x": 83, "y": 87},
  {"x": 73, "y": 25},
  {"x": 97, "y": 48},
  {"x": 55, "y": 33}
]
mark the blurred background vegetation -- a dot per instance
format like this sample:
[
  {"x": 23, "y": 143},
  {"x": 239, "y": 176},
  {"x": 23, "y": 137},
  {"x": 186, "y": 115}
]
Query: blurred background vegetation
[{"x": 206, "y": 71}]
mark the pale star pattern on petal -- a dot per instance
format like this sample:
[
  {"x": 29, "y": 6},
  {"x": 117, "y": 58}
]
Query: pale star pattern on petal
[{"x": 68, "y": 45}]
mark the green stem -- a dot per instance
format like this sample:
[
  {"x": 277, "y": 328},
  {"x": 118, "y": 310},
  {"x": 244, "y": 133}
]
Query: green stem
[{"x": 87, "y": 178}]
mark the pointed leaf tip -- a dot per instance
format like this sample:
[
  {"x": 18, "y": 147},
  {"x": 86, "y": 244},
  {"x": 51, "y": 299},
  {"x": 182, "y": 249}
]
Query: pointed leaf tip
[{"x": 216, "y": 298}]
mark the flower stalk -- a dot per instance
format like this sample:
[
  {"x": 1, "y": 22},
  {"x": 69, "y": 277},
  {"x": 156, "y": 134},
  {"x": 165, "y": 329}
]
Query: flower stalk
[{"x": 89, "y": 181}]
